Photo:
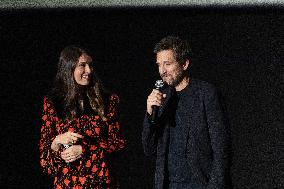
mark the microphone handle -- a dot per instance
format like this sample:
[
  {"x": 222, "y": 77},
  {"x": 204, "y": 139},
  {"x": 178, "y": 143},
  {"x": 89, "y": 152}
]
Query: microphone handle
[{"x": 155, "y": 110}]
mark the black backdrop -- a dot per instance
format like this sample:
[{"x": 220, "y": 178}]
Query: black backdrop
[{"x": 238, "y": 50}]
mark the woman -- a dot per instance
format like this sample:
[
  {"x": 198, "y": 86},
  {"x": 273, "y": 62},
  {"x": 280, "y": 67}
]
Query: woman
[{"x": 79, "y": 125}]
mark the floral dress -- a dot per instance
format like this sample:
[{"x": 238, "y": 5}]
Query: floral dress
[{"x": 100, "y": 137}]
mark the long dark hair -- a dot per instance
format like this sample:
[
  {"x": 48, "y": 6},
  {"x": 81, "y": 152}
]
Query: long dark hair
[{"x": 67, "y": 95}]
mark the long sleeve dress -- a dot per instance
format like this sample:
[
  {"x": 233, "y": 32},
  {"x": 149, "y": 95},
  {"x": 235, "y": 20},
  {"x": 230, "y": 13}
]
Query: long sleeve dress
[{"x": 100, "y": 137}]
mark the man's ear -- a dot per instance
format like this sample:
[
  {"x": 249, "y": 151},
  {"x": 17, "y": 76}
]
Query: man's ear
[{"x": 186, "y": 64}]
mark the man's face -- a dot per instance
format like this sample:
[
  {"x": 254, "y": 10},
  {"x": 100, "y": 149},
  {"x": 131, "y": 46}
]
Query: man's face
[{"x": 170, "y": 70}]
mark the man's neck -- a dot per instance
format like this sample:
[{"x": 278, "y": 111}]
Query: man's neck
[{"x": 182, "y": 84}]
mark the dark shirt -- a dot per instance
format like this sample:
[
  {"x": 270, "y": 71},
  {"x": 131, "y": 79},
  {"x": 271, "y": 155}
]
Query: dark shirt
[{"x": 177, "y": 165}]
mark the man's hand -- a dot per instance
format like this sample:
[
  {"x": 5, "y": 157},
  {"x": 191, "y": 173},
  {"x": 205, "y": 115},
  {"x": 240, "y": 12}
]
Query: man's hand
[{"x": 154, "y": 99}]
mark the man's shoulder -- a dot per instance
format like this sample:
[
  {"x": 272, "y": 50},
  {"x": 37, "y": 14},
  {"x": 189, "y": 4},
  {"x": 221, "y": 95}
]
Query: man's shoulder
[{"x": 204, "y": 86}]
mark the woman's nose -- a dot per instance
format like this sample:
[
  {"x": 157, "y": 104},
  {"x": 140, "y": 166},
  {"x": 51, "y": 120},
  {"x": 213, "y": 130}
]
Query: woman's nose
[{"x": 87, "y": 68}]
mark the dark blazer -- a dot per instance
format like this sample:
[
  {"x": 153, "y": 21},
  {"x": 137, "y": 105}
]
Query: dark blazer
[{"x": 207, "y": 145}]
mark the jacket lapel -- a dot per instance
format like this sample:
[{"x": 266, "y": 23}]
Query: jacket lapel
[{"x": 191, "y": 104}]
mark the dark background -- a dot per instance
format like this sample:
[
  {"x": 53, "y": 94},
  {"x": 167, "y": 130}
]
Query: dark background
[{"x": 239, "y": 50}]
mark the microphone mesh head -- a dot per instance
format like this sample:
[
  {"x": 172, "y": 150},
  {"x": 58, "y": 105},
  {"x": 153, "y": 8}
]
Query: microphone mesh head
[{"x": 159, "y": 84}]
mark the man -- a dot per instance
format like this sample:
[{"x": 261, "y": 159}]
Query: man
[{"x": 189, "y": 138}]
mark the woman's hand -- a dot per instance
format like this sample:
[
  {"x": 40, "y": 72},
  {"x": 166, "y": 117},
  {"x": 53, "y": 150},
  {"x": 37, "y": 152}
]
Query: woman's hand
[
  {"x": 72, "y": 153},
  {"x": 68, "y": 138}
]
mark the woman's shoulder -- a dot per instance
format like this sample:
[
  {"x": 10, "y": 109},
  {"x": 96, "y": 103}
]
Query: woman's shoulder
[
  {"x": 47, "y": 103},
  {"x": 113, "y": 101},
  {"x": 114, "y": 98},
  {"x": 47, "y": 100}
]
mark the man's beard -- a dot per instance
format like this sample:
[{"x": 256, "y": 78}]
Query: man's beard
[{"x": 177, "y": 80}]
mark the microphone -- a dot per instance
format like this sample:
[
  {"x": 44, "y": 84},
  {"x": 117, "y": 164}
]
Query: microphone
[{"x": 155, "y": 109}]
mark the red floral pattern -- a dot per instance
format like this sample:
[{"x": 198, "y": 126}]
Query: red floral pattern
[{"x": 100, "y": 137}]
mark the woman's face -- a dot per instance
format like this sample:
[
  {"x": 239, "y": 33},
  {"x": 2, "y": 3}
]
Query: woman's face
[{"x": 83, "y": 70}]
